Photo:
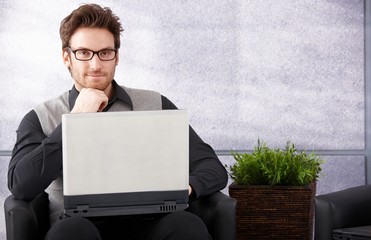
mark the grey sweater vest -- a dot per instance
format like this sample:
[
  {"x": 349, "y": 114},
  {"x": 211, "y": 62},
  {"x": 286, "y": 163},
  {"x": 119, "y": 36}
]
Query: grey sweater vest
[{"x": 50, "y": 116}]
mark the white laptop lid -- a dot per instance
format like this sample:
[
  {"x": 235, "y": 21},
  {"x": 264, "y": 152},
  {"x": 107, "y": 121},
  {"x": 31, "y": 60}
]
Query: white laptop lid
[{"x": 119, "y": 152}]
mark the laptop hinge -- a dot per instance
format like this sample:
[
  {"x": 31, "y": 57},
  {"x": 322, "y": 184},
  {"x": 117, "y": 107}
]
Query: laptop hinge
[
  {"x": 170, "y": 203},
  {"x": 82, "y": 208}
]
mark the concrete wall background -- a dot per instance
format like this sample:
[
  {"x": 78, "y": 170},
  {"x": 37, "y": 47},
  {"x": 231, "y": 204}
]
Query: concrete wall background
[{"x": 274, "y": 70}]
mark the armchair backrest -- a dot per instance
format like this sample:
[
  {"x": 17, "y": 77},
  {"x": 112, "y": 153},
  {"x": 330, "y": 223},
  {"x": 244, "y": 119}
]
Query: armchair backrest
[{"x": 30, "y": 220}]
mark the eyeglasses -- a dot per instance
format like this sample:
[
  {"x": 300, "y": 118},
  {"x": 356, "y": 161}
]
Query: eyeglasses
[{"x": 86, "y": 54}]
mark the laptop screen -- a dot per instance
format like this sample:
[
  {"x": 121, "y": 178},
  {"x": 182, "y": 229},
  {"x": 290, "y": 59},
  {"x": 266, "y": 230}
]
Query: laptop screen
[{"x": 124, "y": 152}]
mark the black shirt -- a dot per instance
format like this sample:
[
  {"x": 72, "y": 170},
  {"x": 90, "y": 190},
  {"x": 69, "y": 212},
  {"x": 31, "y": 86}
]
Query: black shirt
[{"x": 37, "y": 159}]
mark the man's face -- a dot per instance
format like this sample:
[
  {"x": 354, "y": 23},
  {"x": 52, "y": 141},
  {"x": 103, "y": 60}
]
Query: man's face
[{"x": 93, "y": 73}]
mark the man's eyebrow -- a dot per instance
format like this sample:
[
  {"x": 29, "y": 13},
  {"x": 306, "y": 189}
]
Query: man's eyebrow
[{"x": 85, "y": 48}]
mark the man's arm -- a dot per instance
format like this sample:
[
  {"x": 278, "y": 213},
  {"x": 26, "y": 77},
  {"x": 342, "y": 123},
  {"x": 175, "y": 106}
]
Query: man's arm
[
  {"x": 206, "y": 172},
  {"x": 36, "y": 159}
]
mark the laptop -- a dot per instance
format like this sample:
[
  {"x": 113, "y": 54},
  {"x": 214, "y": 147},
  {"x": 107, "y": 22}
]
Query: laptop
[
  {"x": 125, "y": 163},
  {"x": 363, "y": 232}
]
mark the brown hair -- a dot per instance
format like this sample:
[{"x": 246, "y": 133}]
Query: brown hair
[{"x": 92, "y": 16}]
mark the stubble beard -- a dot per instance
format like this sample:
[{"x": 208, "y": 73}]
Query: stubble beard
[{"x": 81, "y": 79}]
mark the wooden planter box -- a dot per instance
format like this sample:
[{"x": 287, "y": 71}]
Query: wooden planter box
[{"x": 274, "y": 212}]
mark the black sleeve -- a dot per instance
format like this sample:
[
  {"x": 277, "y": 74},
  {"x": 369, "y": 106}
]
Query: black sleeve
[
  {"x": 206, "y": 173},
  {"x": 36, "y": 159}
]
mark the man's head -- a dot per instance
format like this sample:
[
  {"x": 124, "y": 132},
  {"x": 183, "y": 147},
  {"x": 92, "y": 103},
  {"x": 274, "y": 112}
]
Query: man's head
[
  {"x": 90, "y": 40},
  {"x": 90, "y": 16}
]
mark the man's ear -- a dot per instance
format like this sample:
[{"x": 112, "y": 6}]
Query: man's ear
[
  {"x": 117, "y": 58},
  {"x": 66, "y": 58}
]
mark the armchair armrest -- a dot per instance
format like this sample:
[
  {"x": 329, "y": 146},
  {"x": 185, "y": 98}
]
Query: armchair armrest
[
  {"x": 343, "y": 209},
  {"x": 26, "y": 220},
  {"x": 218, "y": 211}
]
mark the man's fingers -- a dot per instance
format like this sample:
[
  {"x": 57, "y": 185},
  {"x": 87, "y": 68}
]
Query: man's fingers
[
  {"x": 90, "y": 100},
  {"x": 103, "y": 106}
]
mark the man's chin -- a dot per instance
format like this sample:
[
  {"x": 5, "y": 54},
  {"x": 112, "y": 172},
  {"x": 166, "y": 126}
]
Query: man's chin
[
  {"x": 99, "y": 85},
  {"x": 96, "y": 83}
]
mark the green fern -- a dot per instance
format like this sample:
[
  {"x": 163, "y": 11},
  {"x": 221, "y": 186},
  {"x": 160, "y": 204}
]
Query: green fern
[{"x": 265, "y": 166}]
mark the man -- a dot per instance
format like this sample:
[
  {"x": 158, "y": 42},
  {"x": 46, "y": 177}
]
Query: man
[{"x": 90, "y": 42}]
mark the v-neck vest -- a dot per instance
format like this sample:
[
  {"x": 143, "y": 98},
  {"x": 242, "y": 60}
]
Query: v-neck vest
[{"x": 50, "y": 116}]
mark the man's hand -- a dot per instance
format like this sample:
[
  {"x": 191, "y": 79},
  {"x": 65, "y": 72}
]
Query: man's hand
[{"x": 90, "y": 100}]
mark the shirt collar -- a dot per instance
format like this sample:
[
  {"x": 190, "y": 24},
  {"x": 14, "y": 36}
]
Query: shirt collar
[{"x": 118, "y": 94}]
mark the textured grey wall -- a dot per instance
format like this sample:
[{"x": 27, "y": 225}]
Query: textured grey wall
[
  {"x": 275, "y": 70},
  {"x": 4, "y": 192},
  {"x": 245, "y": 69}
]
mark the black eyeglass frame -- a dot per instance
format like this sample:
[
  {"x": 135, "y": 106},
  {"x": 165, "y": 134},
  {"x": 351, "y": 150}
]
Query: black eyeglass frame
[{"x": 94, "y": 53}]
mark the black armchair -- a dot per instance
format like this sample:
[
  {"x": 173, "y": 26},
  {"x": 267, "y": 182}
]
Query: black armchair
[
  {"x": 30, "y": 220},
  {"x": 343, "y": 209}
]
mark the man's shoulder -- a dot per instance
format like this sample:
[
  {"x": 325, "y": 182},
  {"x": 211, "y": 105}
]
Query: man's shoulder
[
  {"x": 51, "y": 111},
  {"x": 143, "y": 91},
  {"x": 144, "y": 99},
  {"x": 61, "y": 99}
]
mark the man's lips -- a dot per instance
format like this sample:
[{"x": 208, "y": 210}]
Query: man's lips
[{"x": 95, "y": 75}]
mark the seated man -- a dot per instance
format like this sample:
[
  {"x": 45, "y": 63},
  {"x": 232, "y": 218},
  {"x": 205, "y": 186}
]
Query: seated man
[{"x": 90, "y": 42}]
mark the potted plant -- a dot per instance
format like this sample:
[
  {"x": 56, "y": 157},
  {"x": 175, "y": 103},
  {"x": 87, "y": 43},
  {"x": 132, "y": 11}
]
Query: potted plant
[{"x": 275, "y": 192}]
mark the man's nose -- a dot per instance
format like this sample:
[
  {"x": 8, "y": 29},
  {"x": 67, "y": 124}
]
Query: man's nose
[{"x": 95, "y": 62}]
